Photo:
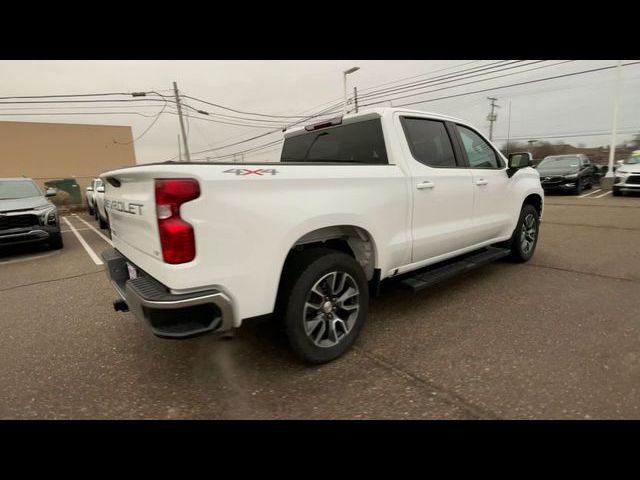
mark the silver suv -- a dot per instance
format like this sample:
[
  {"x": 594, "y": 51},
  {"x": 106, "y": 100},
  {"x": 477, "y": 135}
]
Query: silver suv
[{"x": 27, "y": 215}]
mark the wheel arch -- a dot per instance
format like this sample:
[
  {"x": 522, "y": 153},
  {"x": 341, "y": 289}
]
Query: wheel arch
[
  {"x": 353, "y": 240},
  {"x": 535, "y": 201}
]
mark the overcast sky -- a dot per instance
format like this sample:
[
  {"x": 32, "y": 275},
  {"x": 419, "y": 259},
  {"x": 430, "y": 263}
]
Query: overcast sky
[{"x": 581, "y": 104}]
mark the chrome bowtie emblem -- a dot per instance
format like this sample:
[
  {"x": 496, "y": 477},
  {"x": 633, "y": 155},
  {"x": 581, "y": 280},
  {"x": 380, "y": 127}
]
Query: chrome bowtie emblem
[{"x": 547, "y": 178}]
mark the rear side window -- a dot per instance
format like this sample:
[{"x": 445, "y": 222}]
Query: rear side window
[
  {"x": 429, "y": 142},
  {"x": 360, "y": 142}
]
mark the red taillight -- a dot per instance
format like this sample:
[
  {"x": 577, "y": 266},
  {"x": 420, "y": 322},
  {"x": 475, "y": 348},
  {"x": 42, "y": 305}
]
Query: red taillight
[{"x": 176, "y": 236}]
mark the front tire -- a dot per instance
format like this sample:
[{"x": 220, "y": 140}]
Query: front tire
[
  {"x": 525, "y": 236},
  {"x": 617, "y": 192},
  {"x": 55, "y": 241},
  {"x": 579, "y": 187},
  {"x": 324, "y": 300}
]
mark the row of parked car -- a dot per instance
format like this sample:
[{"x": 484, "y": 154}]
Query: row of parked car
[
  {"x": 95, "y": 202},
  {"x": 575, "y": 173}
]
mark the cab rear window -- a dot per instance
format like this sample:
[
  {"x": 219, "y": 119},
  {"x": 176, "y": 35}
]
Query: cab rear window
[{"x": 360, "y": 142}]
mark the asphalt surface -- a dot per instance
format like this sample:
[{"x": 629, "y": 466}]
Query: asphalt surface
[{"x": 558, "y": 337}]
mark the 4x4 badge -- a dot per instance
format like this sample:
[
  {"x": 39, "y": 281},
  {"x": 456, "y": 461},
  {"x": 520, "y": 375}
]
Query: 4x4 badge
[{"x": 247, "y": 171}]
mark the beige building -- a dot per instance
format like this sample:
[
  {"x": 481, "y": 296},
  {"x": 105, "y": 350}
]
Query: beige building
[{"x": 52, "y": 151}]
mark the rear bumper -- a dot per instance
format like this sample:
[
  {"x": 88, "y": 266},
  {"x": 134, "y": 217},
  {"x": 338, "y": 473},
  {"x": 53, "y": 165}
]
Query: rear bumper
[{"x": 168, "y": 315}]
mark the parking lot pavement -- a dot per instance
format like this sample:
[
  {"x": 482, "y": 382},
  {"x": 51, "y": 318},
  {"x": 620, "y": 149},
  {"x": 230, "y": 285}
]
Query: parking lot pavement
[{"x": 557, "y": 337}]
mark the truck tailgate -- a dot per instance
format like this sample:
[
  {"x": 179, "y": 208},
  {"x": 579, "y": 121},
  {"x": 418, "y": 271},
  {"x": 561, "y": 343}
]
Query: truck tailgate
[{"x": 130, "y": 205}]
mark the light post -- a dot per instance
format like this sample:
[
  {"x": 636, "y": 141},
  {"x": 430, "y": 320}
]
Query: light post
[{"x": 344, "y": 82}]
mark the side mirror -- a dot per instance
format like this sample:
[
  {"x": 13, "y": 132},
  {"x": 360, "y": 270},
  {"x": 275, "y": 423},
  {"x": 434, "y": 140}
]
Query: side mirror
[
  {"x": 519, "y": 160},
  {"x": 89, "y": 189},
  {"x": 50, "y": 192},
  {"x": 100, "y": 190}
]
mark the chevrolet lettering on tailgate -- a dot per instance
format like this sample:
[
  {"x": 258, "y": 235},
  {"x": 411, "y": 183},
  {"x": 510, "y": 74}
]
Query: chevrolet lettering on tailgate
[{"x": 124, "y": 207}]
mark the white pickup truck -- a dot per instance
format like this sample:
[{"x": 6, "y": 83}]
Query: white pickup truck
[{"x": 202, "y": 247}]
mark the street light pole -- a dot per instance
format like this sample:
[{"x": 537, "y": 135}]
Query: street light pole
[{"x": 344, "y": 84}]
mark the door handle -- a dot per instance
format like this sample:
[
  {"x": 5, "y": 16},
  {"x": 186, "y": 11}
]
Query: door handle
[
  {"x": 423, "y": 185},
  {"x": 482, "y": 181}
]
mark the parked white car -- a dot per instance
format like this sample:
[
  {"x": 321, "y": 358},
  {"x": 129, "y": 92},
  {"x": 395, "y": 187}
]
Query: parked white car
[
  {"x": 100, "y": 212},
  {"x": 202, "y": 247},
  {"x": 627, "y": 175},
  {"x": 90, "y": 193}
]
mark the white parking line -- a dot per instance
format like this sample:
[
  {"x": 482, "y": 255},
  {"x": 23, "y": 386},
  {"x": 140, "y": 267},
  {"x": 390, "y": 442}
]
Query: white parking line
[
  {"x": 105, "y": 238},
  {"x": 78, "y": 229},
  {"x": 590, "y": 193},
  {"x": 604, "y": 194},
  {"x": 86, "y": 246}
]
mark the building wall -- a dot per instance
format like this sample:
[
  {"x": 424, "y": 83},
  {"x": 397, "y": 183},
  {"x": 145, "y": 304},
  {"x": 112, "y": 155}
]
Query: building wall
[{"x": 47, "y": 151}]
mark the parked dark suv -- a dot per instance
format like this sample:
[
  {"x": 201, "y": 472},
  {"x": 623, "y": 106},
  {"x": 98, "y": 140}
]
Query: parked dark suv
[
  {"x": 26, "y": 215},
  {"x": 569, "y": 173}
]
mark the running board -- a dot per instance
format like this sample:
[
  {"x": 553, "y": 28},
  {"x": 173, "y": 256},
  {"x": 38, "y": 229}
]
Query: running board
[{"x": 426, "y": 279}]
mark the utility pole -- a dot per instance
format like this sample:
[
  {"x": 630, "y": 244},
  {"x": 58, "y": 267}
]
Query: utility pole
[
  {"x": 355, "y": 97},
  {"x": 612, "y": 150},
  {"x": 492, "y": 117},
  {"x": 179, "y": 150},
  {"x": 184, "y": 136}
]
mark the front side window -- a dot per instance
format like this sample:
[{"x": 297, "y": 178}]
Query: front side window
[
  {"x": 12, "y": 189},
  {"x": 360, "y": 142},
  {"x": 479, "y": 152},
  {"x": 429, "y": 142}
]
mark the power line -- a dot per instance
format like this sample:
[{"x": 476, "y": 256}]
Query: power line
[
  {"x": 147, "y": 129},
  {"x": 324, "y": 112},
  {"x": 227, "y": 123},
  {"x": 506, "y": 86},
  {"x": 338, "y": 105},
  {"x": 75, "y": 107},
  {"x": 68, "y": 96},
  {"x": 472, "y": 82},
  {"x": 85, "y": 101},
  {"x": 451, "y": 77},
  {"x": 231, "y": 117},
  {"x": 422, "y": 75},
  {"x": 629, "y": 130},
  {"x": 74, "y": 113},
  {"x": 240, "y": 111}
]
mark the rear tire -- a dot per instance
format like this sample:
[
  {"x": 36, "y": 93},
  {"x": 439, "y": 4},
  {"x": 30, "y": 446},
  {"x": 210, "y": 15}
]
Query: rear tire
[
  {"x": 103, "y": 223},
  {"x": 323, "y": 302},
  {"x": 525, "y": 236},
  {"x": 55, "y": 241},
  {"x": 91, "y": 212}
]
